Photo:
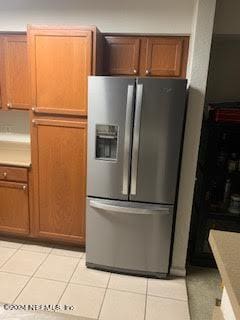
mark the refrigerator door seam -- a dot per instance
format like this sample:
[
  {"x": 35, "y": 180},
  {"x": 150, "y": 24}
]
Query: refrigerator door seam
[
  {"x": 136, "y": 133},
  {"x": 127, "y": 139}
]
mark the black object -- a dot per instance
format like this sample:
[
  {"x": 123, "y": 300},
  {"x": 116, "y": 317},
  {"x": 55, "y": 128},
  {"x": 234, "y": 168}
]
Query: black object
[{"x": 218, "y": 177}]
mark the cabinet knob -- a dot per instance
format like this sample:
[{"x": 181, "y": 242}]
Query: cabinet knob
[
  {"x": 9, "y": 105},
  {"x": 147, "y": 71},
  {"x": 24, "y": 188},
  {"x": 34, "y": 122},
  {"x": 5, "y": 174},
  {"x": 134, "y": 71},
  {"x": 33, "y": 109}
]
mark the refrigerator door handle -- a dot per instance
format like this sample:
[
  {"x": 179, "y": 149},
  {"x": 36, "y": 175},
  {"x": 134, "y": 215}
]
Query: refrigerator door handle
[
  {"x": 136, "y": 132},
  {"x": 129, "y": 210},
  {"x": 127, "y": 139}
]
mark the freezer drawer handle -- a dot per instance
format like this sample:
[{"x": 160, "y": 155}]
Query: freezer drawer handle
[
  {"x": 127, "y": 139},
  {"x": 137, "y": 123},
  {"x": 119, "y": 209}
]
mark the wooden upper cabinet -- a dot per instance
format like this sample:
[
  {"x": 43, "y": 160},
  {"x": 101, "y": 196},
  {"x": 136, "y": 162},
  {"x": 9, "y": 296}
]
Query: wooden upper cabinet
[
  {"x": 159, "y": 56},
  {"x": 122, "y": 55},
  {"x": 61, "y": 61},
  {"x": 165, "y": 57},
  {"x": 14, "y": 74},
  {"x": 59, "y": 172}
]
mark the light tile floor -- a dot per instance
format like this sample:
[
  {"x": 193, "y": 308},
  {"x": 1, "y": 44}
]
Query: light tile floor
[{"x": 38, "y": 274}]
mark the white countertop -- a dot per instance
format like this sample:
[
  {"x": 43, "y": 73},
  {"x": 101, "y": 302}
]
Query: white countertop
[
  {"x": 14, "y": 137},
  {"x": 15, "y": 153}
]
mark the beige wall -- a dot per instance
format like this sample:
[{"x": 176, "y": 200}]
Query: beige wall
[
  {"x": 227, "y": 17},
  {"x": 17, "y": 120},
  {"x": 224, "y": 70},
  {"x": 152, "y": 16}
]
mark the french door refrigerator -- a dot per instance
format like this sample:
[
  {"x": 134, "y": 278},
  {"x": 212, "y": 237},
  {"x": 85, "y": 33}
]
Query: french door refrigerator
[{"x": 135, "y": 128}]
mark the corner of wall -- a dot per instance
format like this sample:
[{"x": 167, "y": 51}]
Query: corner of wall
[{"x": 197, "y": 71}]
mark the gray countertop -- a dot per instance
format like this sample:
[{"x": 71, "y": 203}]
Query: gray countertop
[{"x": 226, "y": 250}]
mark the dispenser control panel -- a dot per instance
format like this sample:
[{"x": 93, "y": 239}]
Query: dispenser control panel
[{"x": 106, "y": 142}]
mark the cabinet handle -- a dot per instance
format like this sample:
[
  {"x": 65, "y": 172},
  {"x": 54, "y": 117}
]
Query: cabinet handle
[
  {"x": 24, "y": 188},
  {"x": 147, "y": 72},
  {"x": 134, "y": 71},
  {"x": 9, "y": 105},
  {"x": 5, "y": 174}
]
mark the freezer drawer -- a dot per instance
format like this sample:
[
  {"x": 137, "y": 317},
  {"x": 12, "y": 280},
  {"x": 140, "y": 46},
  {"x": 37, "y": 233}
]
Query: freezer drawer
[{"x": 128, "y": 236}]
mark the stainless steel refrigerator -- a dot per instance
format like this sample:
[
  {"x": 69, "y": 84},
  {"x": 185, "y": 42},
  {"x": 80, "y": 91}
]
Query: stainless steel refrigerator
[{"x": 135, "y": 128}]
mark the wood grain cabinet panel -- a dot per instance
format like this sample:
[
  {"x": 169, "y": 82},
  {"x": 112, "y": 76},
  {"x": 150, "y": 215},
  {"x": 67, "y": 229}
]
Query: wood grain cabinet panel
[
  {"x": 61, "y": 61},
  {"x": 122, "y": 55},
  {"x": 143, "y": 56},
  {"x": 14, "y": 208},
  {"x": 165, "y": 57},
  {"x": 59, "y": 169},
  {"x": 1, "y": 71},
  {"x": 13, "y": 174},
  {"x": 15, "y": 78}
]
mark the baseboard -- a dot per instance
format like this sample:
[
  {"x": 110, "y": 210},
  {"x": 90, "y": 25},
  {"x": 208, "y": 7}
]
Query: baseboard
[{"x": 178, "y": 272}]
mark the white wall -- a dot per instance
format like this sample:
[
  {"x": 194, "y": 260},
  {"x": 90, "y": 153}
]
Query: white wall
[
  {"x": 227, "y": 17},
  {"x": 201, "y": 45},
  {"x": 151, "y": 16}
]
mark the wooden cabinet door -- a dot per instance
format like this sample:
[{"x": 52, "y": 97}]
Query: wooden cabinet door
[
  {"x": 59, "y": 170},
  {"x": 14, "y": 208},
  {"x": 1, "y": 70},
  {"x": 166, "y": 56},
  {"x": 60, "y": 66},
  {"x": 15, "y": 79},
  {"x": 122, "y": 55}
]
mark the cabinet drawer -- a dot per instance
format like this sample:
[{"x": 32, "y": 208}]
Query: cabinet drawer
[
  {"x": 13, "y": 174},
  {"x": 14, "y": 206}
]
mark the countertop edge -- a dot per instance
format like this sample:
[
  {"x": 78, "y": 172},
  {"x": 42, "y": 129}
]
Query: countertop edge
[
  {"x": 15, "y": 164},
  {"x": 224, "y": 273}
]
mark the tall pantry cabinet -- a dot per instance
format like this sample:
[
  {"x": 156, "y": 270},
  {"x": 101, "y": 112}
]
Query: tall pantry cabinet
[{"x": 61, "y": 59}]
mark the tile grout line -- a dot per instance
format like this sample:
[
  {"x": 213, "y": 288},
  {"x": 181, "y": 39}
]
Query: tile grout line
[
  {"x": 44, "y": 278},
  {"x": 127, "y": 291},
  {"x": 54, "y": 254},
  {"x": 24, "y": 275},
  {"x": 104, "y": 296},
  {"x": 76, "y": 283},
  {"x": 67, "y": 283},
  {"x": 161, "y": 297},
  {"x": 8, "y": 258},
  {"x": 31, "y": 277},
  {"x": 80, "y": 284},
  {"x": 93, "y": 286},
  {"x": 145, "y": 307},
  {"x": 16, "y": 250}
]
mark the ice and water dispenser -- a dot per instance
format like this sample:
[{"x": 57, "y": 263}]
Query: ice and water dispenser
[{"x": 106, "y": 142}]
